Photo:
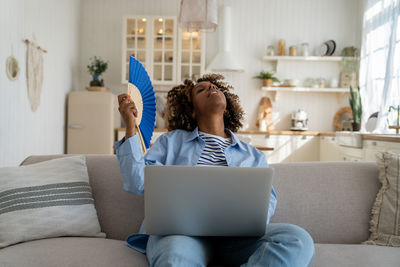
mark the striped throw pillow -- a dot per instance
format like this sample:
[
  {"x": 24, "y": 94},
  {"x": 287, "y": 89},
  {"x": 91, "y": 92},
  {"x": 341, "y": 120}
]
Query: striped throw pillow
[{"x": 48, "y": 199}]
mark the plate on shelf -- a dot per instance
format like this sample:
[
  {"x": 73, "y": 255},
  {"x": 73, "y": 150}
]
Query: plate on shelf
[
  {"x": 327, "y": 48},
  {"x": 332, "y": 47},
  {"x": 323, "y": 50}
]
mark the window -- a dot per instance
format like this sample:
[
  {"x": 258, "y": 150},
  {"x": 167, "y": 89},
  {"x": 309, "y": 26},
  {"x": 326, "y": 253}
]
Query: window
[{"x": 380, "y": 61}]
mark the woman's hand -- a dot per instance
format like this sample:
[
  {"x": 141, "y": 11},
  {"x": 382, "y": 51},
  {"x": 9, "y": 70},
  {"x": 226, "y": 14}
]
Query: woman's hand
[{"x": 129, "y": 113}]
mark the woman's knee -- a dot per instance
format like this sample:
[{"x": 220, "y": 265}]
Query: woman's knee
[
  {"x": 178, "y": 242},
  {"x": 176, "y": 250},
  {"x": 290, "y": 234}
]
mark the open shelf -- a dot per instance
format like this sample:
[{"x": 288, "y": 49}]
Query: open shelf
[
  {"x": 278, "y": 60},
  {"x": 310, "y": 58},
  {"x": 305, "y": 89},
  {"x": 274, "y": 90}
]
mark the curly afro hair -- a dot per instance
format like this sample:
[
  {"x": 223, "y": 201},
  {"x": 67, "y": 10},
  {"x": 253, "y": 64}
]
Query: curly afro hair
[{"x": 180, "y": 105}]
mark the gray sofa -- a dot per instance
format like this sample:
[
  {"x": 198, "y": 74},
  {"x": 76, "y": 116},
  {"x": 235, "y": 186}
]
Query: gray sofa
[{"x": 332, "y": 201}]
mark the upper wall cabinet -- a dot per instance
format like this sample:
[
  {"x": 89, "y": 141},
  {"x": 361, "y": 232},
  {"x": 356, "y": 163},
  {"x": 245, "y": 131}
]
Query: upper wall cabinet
[
  {"x": 191, "y": 55},
  {"x": 169, "y": 56},
  {"x": 152, "y": 40}
]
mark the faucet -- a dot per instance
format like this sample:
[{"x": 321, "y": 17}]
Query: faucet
[{"x": 397, "y": 127}]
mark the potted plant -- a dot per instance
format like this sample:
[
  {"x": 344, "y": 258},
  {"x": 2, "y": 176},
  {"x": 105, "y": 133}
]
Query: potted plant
[
  {"x": 349, "y": 51},
  {"x": 356, "y": 107},
  {"x": 267, "y": 78},
  {"x": 96, "y": 67}
]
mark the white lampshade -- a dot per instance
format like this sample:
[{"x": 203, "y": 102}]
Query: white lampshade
[{"x": 197, "y": 15}]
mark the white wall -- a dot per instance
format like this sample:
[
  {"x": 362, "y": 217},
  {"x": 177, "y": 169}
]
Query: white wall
[
  {"x": 55, "y": 25},
  {"x": 101, "y": 33},
  {"x": 256, "y": 24},
  {"x": 259, "y": 23}
]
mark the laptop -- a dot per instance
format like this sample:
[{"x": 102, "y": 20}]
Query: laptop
[{"x": 206, "y": 200}]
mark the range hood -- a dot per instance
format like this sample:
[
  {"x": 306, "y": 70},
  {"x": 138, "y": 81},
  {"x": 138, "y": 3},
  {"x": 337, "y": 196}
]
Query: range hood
[{"x": 224, "y": 61}]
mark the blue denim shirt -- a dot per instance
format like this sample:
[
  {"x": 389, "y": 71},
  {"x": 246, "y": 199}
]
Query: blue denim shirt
[{"x": 178, "y": 147}]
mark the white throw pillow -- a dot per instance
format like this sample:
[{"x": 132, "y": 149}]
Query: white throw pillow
[
  {"x": 385, "y": 221},
  {"x": 47, "y": 199}
]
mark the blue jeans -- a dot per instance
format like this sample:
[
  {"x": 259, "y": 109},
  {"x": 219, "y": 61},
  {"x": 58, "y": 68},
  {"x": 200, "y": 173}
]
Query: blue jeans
[{"x": 282, "y": 245}]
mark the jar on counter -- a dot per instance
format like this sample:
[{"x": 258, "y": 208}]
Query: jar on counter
[
  {"x": 281, "y": 47},
  {"x": 305, "y": 49},
  {"x": 270, "y": 50},
  {"x": 293, "y": 51},
  {"x": 321, "y": 82}
]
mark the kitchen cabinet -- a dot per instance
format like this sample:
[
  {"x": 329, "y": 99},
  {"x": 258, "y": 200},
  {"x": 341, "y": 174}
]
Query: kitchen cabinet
[
  {"x": 329, "y": 149},
  {"x": 168, "y": 53},
  {"x": 351, "y": 154},
  {"x": 368, "y": 150},
  {"x": 152, "y": 40},
  {"x": 304, "y": 148},
  {"x": 372, "y": 147},
  {"x": 191, "y": 55},
  {"x": 287, "y": 148},
  {"x": 280, "y": 143}
]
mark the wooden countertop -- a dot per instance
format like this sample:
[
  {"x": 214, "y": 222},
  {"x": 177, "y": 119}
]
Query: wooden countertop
[
  {"x": 381, "y": 138},
  {"x": 389, "y": 138},
  {"x": 264, "y": 148},
  {"x": 327, "y": 133},
  {"x": 310, "y": 133}
]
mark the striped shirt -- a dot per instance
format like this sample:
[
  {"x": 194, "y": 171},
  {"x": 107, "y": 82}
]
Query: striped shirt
[{"x": 214, "y": 150}]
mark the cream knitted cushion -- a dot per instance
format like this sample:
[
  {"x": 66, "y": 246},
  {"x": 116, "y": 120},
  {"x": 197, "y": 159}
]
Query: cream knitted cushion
[
  {"x": 385, "y": 222},
  {"x": 47, "y": 199}
]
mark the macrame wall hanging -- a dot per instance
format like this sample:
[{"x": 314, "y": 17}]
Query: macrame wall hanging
[{"x": 34, "y": 72}]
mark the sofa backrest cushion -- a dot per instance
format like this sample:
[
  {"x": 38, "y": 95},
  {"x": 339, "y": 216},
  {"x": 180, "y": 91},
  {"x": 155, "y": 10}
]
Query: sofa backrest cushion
[{"x": 331, "y": 200}]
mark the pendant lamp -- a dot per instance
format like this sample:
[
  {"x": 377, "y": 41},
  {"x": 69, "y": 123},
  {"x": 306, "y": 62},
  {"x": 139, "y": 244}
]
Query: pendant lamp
[{"x": 198, "y": 15}]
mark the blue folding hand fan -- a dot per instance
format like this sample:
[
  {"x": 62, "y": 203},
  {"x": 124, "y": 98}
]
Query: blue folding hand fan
[{"x": 141, "y": 91}]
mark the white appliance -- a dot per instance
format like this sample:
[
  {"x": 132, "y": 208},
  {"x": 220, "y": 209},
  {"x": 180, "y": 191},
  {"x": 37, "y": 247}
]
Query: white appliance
[
  {"x": 93, "y": 118},
  {"x": 299, "y": 120}
]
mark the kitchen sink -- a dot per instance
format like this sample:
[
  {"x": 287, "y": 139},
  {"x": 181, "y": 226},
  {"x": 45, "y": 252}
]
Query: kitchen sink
[{"x": 350, "y": 139}]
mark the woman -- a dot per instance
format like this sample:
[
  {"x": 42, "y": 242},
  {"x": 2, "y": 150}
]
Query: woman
[{"x": 202, "y": 119}]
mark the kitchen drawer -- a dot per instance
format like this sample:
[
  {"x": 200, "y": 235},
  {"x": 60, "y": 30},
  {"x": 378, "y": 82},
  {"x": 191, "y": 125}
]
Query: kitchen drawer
[
  {"x": 351, "y": 152},
  {"x": 350, "y": 158},
  {"x": 382, "y": 145},
  {"x": 266, "y": 140}
]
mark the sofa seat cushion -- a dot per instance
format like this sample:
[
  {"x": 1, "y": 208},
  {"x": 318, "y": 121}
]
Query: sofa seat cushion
[
  {"x": 71, "y": 252},
  {"x": 344, "y": 255}
]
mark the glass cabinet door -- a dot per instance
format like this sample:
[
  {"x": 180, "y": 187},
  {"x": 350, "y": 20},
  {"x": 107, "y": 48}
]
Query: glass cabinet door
[
  {"x": 163, "y": 50},
  {"x": 168, "y": 54},
  {"x": 135, "y": 42},
  {"x": 191, "y": 55}
]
